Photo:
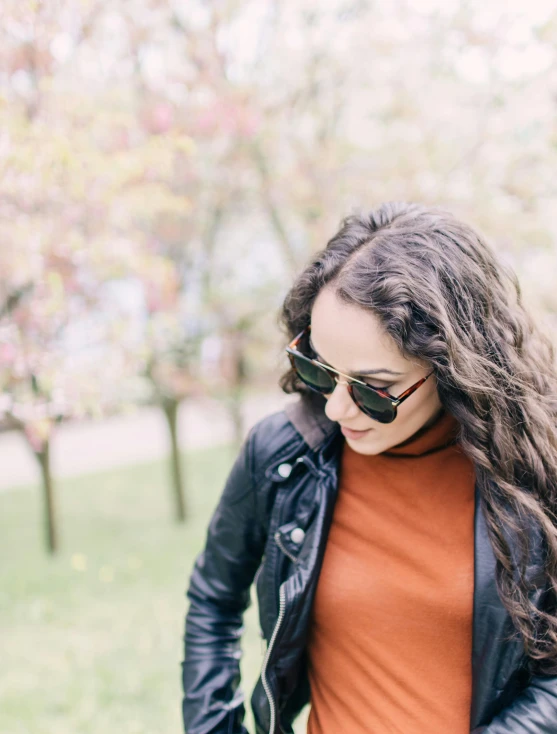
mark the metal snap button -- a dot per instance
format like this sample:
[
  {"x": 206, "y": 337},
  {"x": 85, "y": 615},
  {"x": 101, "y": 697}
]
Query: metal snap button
[
  {"x": 284, "y": 470},
  {"x": 297, "y": 535}
]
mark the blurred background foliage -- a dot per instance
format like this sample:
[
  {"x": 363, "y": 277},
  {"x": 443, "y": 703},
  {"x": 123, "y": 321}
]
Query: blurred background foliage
[{"x": 166, "y": 168}]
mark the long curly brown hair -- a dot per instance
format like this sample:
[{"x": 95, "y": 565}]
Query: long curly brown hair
[{"x": 443, "y": 296}]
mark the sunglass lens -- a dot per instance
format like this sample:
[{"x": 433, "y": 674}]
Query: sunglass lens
[
  {"x": 314, "y": 376},
  {"x": 371, "y": 403}
]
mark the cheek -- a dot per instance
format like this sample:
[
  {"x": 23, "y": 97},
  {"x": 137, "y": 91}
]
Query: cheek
[
  {"x": 410, "y": 418},
  {"x": 420, "y": 402}
]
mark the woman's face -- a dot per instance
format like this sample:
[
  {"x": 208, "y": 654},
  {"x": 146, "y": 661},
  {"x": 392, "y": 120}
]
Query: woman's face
[{"x": 352, "y": 341}]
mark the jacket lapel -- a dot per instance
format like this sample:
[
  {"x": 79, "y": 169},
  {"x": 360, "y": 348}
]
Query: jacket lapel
[{"x": 490, "y": 623}]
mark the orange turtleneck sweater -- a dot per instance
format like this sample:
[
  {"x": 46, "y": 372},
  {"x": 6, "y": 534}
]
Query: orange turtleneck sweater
[{"x": 390, "y": 640}]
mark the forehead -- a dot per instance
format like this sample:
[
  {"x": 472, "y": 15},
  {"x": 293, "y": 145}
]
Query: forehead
[{"x": 351, "y": 338}]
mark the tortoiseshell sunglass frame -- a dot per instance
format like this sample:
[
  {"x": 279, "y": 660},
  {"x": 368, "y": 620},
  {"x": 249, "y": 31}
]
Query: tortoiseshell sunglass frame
[{"x": 293, "y": 351}]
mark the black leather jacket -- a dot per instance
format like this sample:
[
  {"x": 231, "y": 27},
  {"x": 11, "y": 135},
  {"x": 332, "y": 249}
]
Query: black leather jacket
[{"x": 271, "y": 527}]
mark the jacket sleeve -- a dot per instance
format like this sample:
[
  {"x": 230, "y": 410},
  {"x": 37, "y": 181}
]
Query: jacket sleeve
[
  {"x": 219, "y": 594},
  {"x": 534, "y": 711}
]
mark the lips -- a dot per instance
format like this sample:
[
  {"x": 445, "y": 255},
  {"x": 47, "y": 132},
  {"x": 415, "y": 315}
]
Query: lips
[{"x": 352, "y": 434}]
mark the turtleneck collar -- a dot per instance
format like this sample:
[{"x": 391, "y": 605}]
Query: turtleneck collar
[{"x": 439, "y": 434}]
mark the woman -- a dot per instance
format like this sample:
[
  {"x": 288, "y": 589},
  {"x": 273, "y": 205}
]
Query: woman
[{"x": 399, "y": 519}]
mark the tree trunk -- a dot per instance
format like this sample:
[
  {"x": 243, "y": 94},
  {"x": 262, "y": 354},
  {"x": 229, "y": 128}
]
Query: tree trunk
[
  {"x": 170, "y": 408},
  {"x": 236, "y": 413},
  {"x": 239, "y": 380},
  {"x": 50, "y": 523}
]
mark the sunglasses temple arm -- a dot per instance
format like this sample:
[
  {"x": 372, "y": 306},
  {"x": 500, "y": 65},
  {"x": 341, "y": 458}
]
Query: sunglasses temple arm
[{"x": 410, "y": 390}]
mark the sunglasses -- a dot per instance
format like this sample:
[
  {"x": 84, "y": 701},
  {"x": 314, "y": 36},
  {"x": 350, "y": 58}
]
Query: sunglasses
[{"x": 375, "y": 402}]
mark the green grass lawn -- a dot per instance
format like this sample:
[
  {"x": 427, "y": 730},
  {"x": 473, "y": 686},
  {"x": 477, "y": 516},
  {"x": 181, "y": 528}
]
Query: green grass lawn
[{"x": 92, "y": 638}]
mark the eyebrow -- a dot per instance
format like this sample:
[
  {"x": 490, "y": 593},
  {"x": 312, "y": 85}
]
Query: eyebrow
[{"x": 361, "y": 373}]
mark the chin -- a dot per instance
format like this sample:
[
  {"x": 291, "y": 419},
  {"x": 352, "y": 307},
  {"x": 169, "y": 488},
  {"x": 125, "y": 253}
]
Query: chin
[{"x": 361, "y": 448}]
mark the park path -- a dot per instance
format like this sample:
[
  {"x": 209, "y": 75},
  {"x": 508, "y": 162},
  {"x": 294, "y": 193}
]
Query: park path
[{"x": 82, "y": 448}]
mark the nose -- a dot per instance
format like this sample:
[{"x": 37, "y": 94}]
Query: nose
[{"x": 340, "y": 405}]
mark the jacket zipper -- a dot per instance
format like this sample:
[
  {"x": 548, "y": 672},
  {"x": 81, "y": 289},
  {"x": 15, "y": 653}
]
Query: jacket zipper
[
  {"x": 278, "y": 541},
  {"x": 264, "y": 680},
  {"x": 282, "y": 606}
]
